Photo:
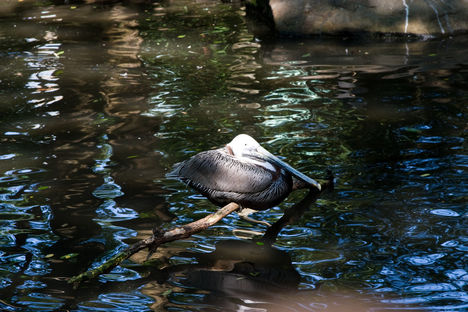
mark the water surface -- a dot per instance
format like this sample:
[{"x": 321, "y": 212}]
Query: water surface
[{"x": 99, "y": 100}]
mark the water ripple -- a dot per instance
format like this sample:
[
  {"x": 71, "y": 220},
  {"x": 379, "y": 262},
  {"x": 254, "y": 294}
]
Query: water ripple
[
  {"x": 39, "y": 301},
  {"x": 108, "y": 211},
  {"x": 445, "y": 212},
  {"x": 425, "y": 259},
  {"x": 108, "y": 190},
  {"x": 430, "y": 287},
  {"x": 119, "y": 274},
  {"x": 439, "y": 139},
  {"x": 93, "y": 83},
  {"x": 7, "y": 156},
  {"x": 31, "y": 284},
  {"x": 118, "y": 302},
  {"x": 38, "y": 267}
]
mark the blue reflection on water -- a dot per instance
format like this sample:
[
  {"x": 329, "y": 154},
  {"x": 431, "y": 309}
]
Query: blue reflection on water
[
  {"x": 427, "y": 259},
  {"x": 30, "y": 284},
  {"x": 389, "y": 122},
  {"x": 119, "y": 274},
  {"x": 109, "y": 211},
  {"x": 118, "y": 302},
  {"x": 37, "y": 301},
  {"x": 108, "y": 190}
]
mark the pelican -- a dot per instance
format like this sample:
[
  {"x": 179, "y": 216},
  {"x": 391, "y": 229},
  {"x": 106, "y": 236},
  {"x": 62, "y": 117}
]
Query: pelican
[{"x": 242, "y": 172}]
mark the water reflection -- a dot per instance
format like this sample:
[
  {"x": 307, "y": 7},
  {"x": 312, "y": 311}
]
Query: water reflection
[
  {"x": 243, "y": 270},
  {"x": 243, "y": 275},
  {"x": 100, "y": 98},
  {"x": 55, "y": 126}
]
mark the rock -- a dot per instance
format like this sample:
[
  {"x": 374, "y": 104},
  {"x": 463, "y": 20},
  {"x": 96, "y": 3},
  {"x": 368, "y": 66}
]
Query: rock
[{"x": 412, "y": 17}]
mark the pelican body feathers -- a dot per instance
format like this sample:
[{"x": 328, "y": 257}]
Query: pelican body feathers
[{"x": 242, "y": 172}]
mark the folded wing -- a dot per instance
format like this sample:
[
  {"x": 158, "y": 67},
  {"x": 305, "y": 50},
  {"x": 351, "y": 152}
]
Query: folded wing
[{"x": 217, "y": 170}]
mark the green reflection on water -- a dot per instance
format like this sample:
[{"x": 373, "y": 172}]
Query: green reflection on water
[{"x": 140, "y": 86}]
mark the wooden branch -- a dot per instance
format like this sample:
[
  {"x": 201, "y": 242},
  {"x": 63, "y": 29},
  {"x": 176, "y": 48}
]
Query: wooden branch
[
  {"x": 158, "y": 238},
  {"x": 295, "y": 212},
  {"x": 154, "y": 241}
]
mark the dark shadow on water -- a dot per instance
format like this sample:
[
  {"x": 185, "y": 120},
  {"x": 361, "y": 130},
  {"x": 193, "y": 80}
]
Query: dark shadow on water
[{"x": 238, "y": 273}]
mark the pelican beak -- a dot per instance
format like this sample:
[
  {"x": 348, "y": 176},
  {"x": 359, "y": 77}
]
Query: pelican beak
[{"x": 267, "y": 156}]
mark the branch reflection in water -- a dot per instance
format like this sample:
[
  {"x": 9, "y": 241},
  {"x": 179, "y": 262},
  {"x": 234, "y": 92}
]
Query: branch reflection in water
[{"x": 247, "y": 275}]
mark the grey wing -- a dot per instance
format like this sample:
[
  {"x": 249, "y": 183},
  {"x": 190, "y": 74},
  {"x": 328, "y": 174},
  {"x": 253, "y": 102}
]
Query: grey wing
[{"x": 216, "y": 170}]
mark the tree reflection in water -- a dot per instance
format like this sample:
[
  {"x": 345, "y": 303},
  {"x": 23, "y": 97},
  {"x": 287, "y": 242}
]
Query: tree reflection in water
[{"x": 100, "y": 97}]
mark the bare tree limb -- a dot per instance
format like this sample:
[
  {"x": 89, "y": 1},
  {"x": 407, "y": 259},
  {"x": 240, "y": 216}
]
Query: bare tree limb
[
  {"x": 154, "y": 241},
  {"x": 158, "y": 238},
  {"x": 295, "y": 212}
]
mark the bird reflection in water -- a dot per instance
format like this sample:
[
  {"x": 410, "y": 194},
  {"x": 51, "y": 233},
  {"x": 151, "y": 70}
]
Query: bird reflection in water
[
  {"x": 242, "y": 274},
  {"x": 251, "y": 276}
]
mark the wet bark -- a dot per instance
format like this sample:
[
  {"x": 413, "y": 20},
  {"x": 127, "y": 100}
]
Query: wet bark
[{"x": 154, "y": 241}]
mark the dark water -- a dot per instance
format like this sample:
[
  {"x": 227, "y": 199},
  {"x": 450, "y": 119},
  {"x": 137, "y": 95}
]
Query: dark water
[{"x": 99, "y": 100}]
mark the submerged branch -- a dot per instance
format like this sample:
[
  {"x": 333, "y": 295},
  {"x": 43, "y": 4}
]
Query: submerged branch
[
  {"x": 295, "y": 212},
  {"x": 154, "y": 241}
]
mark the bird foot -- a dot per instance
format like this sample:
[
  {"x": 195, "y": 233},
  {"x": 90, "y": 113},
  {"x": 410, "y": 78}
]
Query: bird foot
[{"x": 244, "y": 214}]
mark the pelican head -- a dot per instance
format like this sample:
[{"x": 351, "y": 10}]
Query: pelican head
[{"x": 244, "y": 146}]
